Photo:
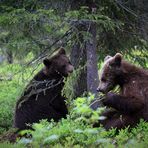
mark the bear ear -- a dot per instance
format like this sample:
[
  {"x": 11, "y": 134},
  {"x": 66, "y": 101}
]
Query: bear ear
[
  {"x": 61, "y": 51},
  {"x": 118, "y": 58},
  {"x": 107, "y": 57},
  {"x": 47, "y": 62}
]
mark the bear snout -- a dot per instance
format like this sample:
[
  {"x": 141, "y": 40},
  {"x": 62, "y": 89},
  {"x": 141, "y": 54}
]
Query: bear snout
[
  {"x": 70, "y": 69},
  {"x": 99, "y": 89},
  {"x": 102, "y": 90}
]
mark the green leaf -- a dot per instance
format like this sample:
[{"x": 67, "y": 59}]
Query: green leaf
[
  {"x": 78, "y": 131},
  {"x": 51, "y": 139}
]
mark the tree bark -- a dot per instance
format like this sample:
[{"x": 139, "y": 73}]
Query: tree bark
[
  {"x": 142, "y": 9},
  {"x": 84, "y": 55},
  {"x": 9, "y": 57}
]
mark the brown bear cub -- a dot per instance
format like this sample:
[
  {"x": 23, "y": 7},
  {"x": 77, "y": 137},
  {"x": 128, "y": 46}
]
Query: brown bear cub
[
  {"x": 42, "y": 98},
  {"x": 131, "y": 103}
]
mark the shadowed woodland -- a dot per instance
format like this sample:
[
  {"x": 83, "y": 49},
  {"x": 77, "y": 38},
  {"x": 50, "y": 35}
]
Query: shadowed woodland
[{"x": 89, "y": 30}]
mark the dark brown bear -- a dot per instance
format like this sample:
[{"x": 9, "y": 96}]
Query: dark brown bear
[
  {"x": 42, "y": 98},
  {"x": 131, "y": 103}
]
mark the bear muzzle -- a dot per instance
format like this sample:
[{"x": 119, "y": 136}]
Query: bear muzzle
[
  {"x": 99, "y": 89},
  {"x": 104, "y": 91},
  {"x": 70, "y": 69}
]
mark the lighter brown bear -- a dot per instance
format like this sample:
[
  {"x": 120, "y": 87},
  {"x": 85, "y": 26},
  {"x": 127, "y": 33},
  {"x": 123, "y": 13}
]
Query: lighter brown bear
[{"x": 131, "y": 104}]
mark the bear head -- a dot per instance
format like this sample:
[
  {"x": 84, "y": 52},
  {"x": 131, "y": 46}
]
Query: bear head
[
  {"x": 58, "y": 64},
  {"x": 110, "y": 74}
]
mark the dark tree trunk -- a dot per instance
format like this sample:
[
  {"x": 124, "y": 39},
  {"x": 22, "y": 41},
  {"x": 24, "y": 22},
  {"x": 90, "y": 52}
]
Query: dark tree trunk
[
  {"x": 9, "y": 57},
  {"x": 79, "y": 59},
  {"x": 142, "y": 9},
  {"x": 92, "y": 69},
  {"x": 84, "y": 55}
]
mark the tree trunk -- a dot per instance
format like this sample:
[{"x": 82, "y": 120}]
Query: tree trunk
[
  {"x": 79, "y": 59},
  {"x": 92, "y": 68},
  {"x": 142, "y": 9},
  {"x": 84, "y": 55},
  {"x": 9, "y": 57}
]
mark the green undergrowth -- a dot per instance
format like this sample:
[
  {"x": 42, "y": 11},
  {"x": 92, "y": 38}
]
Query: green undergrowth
[
  {"x": 78, "y": 131},
  {"x": 70, "y": 133},
  {"x": 13, "y": 79},
  {"x": 75, "y": 131}
]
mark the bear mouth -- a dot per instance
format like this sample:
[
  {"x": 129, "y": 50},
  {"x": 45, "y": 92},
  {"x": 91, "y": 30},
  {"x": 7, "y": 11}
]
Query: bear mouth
[
  {"x": 105, "y": 91},
  {"x": 67, "y": 74}
]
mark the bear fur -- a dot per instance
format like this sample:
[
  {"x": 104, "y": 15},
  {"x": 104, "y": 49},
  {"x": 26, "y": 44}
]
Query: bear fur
[
  {"x": 131, "y": 103},
  {"x": 42, "y": 98}
]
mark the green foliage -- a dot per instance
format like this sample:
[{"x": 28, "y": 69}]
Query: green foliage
[
  {"x": 137, "y": 55},
  {"x": 7, "y": 100},
  {"x": 75, "y": 131},
  {"x": 102, "y": 20},
  {"x": 21, "y": 30},
  {"x": 35, "y": 25},
  {"x": 14, "y": 79},
  {"x": 68, "y": 91},
  {"x": 69, "y": 133},
  {"x": 81, "y": 111},
  {"x": 30, "y": 27},
  {"x": 10, "y": 145}
]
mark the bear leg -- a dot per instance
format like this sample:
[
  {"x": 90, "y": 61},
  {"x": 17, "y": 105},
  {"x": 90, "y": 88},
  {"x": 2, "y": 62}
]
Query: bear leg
[
  {"x": 120, "y": 122},
  {"x": 126, "y": 105},
  {"x": 108, "y": 113}
]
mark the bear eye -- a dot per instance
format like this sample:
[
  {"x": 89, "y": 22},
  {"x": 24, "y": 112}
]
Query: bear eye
[
  {"x": 63, "y": 66},
  {"x": 103, "y": 79}
]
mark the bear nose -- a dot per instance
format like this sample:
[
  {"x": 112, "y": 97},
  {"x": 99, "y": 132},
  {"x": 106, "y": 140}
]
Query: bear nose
[
  {"x": 71, "y": 69},
  {"x": 99, "y": 89}
]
